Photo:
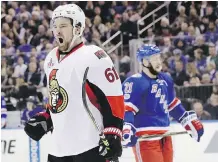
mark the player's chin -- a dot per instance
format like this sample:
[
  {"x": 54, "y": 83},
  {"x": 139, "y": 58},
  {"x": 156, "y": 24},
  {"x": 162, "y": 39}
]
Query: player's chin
[
  {"x": 158, "y": 70},
  {"x": 62, "y": 46}
]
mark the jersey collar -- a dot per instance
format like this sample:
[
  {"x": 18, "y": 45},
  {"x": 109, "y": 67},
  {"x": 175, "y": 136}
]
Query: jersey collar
[
  {"x": 146, "y": 76},
  {"x": 68, "y": 53}
]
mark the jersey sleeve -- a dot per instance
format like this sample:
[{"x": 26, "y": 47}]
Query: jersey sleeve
[
  {"x": 132, "y": 90},
  {"x": 173, "y": 101},
  {"x": 175, "y": 108},
  {"x": 103, "y": 83}
]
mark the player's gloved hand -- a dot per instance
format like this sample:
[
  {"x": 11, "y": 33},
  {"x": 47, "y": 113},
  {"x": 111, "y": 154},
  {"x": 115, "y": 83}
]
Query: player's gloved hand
[
  {"x": 129, "y": 138},
  {"x": 38, "y": 125},
  {"x": 191, "y": 123},
  {"x": 110, "y": 144}
]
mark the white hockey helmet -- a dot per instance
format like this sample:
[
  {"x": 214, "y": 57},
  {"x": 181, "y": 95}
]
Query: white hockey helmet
[{"x": 73, "y": 12}]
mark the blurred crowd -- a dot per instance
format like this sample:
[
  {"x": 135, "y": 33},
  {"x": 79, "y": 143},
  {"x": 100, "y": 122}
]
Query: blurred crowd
[{"x": 188, "y": 38}]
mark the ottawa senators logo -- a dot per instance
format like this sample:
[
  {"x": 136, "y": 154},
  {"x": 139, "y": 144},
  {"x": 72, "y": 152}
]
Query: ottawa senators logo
[{"x": 58, "y": 98}]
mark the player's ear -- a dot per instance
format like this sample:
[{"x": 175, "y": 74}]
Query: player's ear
[{"x": 145, "y": 62}]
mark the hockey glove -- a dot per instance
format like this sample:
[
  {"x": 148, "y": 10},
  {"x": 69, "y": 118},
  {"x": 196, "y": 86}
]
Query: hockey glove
[
  {"x": 129, "y": 138},
  {"x": 191, "y": 123},
  {"x": 110, "y": 144},
  {"x": 38, "y": 125}
]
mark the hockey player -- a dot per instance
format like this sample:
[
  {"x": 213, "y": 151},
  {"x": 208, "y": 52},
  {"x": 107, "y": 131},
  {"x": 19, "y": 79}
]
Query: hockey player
[
  {"x": 149, "y": 100},
  {"x": 4, "y": 112},
  {"x": 74, "y": 137}
]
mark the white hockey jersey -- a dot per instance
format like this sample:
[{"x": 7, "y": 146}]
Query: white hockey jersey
[{"x": 74, "y": 132}]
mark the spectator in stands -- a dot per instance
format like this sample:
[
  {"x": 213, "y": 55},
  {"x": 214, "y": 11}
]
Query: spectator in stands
[
  {"x": 3, "y": 68},
  {"x": 210, "y": 13},
  {"x": 96, "y": 38},
  {"x": 213, "y": 56},
  {"x": 176, "y": 25},
  {"x": 150, "y": 33},
  {"x": 184, "y": 29},
  {"x": 200, "y": 43},
  {"x": 193, "y": 16},
  {"x": 97, "y": 11},
  {"x": 42, "y": 45},
  {"x": 9, "y": 81},
  {"x": 101, "y": 28},
  {"x": 20, "y": 68},
  {"x": 200, "y": 60},
  {"x": 211, "y": 69},
  {"x": 191, "y": 69},
  {"x": 167, "y": 47},
  {"x": 192, "y": 32},
  {"x": 9, "y": 48},
  {"x": 179, "y": 76},
  {"x": 201, "y": 113},
  {"x": 29, "y": 35},
  {"x": 181, "y": 44},
  {"x": 89, "y": 10},
  {"x": 33, "y": 59},
  {"x": 203, "y": 24},
  {"x": 24, "y": 47},
  {"x": 3, "y": 113},
  {"x": 41, "y": 34},
  {"x": 211, "y": 34},
  {"x": 18, "y": 31},
  {"x": 164, "y": 23},
  {"x": 212, "y": 106},
  {"x": 31, "y": 76},
  {"x": 182, "y": 15},
  {"x": 30, "y": 110},
  {"x": 205, "y": 79},
  {"x": 177, "y": 56},
  {"x": 128, "y": 28},
  {"x": 215, "y": 79},
  {"x": 166, "y": 68},
  {"x": 104, "y": 10},
  {"x": 115, "y": 27}
]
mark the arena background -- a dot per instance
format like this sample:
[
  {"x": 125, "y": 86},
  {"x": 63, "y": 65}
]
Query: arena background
[{"x": 186, "y": 32}]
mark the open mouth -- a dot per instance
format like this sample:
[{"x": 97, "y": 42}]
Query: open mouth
[{"x": 61, "y": 40}]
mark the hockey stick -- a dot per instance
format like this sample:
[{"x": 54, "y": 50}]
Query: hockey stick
[
  {"x": 90, "y": 113},
  {"x": 142, "y": 138}
]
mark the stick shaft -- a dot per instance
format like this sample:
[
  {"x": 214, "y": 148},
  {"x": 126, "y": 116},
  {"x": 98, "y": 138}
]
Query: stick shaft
[
  {"x": 85, "y": 101},
  {"x": 142, "y": 138}
]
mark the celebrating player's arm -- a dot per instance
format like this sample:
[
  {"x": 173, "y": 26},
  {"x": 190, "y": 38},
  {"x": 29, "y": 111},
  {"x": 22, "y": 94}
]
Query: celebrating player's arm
[
  {"x": 105, "y": 92},
  {"x": 41, "y": 123}
]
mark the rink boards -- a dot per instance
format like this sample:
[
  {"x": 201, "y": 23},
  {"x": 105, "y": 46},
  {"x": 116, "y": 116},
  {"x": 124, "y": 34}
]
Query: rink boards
[{"x": 16, "y": 146}]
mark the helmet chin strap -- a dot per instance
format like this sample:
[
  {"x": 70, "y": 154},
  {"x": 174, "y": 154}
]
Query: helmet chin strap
[
  {"x": 73, "y": 40},
  {"x": 150, "y": 68}
]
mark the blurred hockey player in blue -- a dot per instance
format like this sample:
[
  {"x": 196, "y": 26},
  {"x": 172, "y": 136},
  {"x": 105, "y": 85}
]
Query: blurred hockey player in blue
[
  {"x": 4, "y": 113},
  {"x": 149, "y": 100}
]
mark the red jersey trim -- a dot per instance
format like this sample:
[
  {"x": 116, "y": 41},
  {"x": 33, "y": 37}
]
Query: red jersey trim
[
  {"x": 92, "y": 97},
  {"x": 117, "y": 105},
  {"x": 72, "y": 50}
]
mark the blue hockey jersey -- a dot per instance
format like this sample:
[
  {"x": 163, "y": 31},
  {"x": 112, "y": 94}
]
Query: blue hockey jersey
[
  {"x": 150, "y": 100},
  {"x": 3, "y": 112}
]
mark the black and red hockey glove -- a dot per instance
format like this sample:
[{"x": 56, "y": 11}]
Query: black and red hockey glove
[
  {"x": 110, "y": 143},
  {"x": 38, "y": 125}
]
